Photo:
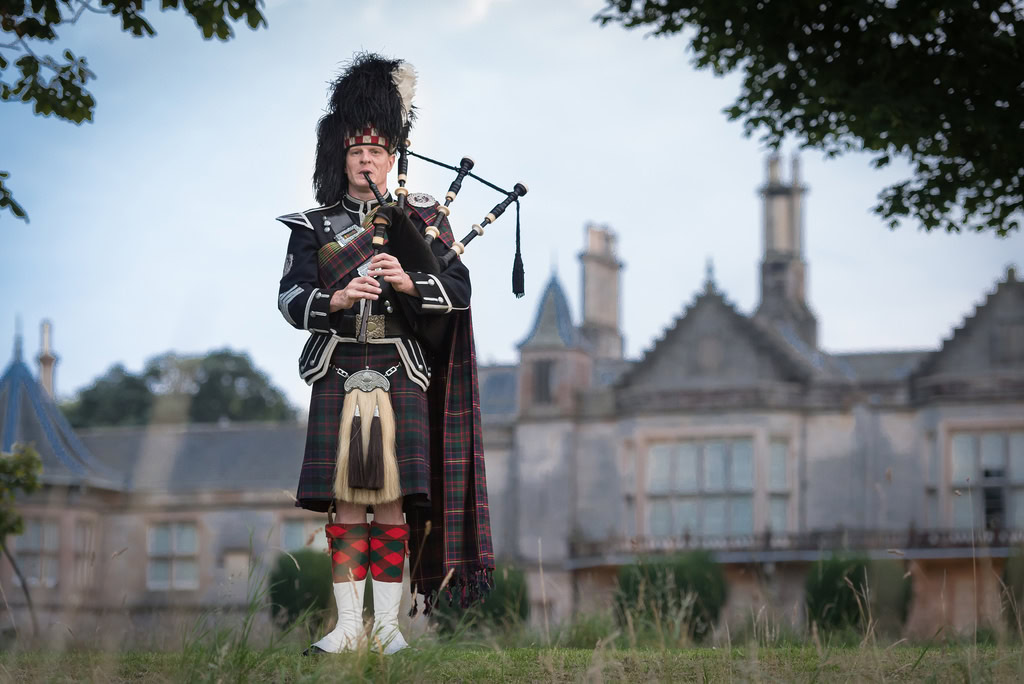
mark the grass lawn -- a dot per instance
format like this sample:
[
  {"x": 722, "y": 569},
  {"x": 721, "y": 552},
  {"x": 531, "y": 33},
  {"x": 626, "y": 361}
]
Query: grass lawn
[{"x": 940, "y": 663}]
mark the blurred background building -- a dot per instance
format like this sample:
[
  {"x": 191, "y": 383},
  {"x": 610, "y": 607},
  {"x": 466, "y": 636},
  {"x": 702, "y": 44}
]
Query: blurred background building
[{"x": 734, "y": 432}]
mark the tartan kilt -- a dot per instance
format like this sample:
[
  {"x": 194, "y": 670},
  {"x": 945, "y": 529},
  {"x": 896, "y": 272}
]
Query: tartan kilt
[{"x": 316, "y": 479}]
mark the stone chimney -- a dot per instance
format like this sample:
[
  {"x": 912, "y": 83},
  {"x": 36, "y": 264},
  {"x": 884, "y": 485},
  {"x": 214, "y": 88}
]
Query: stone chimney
[
  {"x": 47, "y": 360},
  {"x": 783, "y": 269},
  {"x": 601, "y": 269}
]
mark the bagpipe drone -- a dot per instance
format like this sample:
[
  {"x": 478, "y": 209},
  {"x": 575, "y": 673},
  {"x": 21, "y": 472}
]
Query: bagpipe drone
[{"x": 414, "y": 251}]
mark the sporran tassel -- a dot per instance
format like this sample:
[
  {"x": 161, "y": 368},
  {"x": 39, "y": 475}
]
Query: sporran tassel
[
  {"x": 357, "y": 475},
  {"x": 374, "y": 470},
  {"x": 376, "y": 478}
]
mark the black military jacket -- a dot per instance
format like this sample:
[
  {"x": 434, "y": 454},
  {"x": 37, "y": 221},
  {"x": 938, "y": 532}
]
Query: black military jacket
[{"x": 305, "y": 303}]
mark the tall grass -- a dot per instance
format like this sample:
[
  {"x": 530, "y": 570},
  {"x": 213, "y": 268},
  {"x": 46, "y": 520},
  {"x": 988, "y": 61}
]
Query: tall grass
[{"x": 643, "y": 644}]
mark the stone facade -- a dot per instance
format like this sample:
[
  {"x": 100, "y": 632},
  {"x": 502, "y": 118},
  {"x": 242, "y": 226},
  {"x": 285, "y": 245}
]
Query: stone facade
[{"x": 737, "y": 433}]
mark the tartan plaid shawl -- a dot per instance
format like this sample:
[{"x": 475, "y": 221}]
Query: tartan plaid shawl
[
  {"x": 453, "y": 534},
  {"x": 335, "y": 261}
]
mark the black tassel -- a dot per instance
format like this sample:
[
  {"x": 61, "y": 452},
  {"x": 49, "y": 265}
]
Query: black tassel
[
  {"x": 356, "y": 462},
  {"x": 375, "y": 456},
  {"x": 518, "y": 274}
]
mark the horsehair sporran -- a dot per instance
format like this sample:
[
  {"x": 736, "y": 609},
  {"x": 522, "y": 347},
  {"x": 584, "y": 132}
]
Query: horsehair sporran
[{"x": 366, "y": 397}]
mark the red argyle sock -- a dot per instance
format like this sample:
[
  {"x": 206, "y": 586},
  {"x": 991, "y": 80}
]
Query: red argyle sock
[
  {"x": 349, "y": 546},
  {"x": 387, "y": 551}
]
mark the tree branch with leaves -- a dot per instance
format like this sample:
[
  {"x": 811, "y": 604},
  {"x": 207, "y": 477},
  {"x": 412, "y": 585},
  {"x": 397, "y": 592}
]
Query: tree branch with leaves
[
  {"x": 939, "y": 85},
  {"x": 57, "y": 87}
]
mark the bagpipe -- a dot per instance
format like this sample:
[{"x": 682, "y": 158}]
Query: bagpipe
[{"x": 414, "y": 251}]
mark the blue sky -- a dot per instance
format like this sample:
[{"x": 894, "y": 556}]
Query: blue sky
[{"x": 153, "y": 227}]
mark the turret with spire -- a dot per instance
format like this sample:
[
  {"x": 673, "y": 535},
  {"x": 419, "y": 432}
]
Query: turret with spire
[
  {"x": 28, "y": 415},
  {"x": 554, "y": 364}
]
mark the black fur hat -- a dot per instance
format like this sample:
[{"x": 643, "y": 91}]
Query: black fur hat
[{"x": 370, "y": 104}]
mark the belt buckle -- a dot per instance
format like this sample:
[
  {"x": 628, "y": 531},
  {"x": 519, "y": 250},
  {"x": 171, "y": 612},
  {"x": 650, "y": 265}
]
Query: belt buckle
[{"x": 375, "y": 327}]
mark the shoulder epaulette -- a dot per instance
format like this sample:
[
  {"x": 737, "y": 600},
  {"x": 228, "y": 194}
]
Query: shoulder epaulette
[{"x": 300, "y": 219}]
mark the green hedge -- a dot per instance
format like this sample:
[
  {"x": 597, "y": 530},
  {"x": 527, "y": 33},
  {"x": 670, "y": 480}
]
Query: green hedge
[
  {"x": 685, "y": 591},
  {"x": 842, "y": 591},
  {"x": 1013, "y": 596},
  {"x": 307, "y": 587},
  {"x": 508, "y": 604}
]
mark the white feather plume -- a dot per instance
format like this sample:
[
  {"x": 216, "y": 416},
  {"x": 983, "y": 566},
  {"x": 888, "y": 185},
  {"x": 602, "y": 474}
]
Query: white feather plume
[{"x": 405, "y": 80}]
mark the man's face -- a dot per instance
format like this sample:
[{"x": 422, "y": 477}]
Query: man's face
[{"x": 367, "y": 158}]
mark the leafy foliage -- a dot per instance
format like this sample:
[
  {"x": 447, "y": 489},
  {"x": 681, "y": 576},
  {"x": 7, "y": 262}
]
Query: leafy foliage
[
  {"x": 7, "y": 198},
  {"x": 221, "y": 385},
  {"x": 1013, "y": 594},
  {"x": 831, "y": 591},
  {"x": 687, "y": 590},
  {"x": 301, "y": 583},
  {"x": 19, "y": 473},
  {"x": 115, "y": 398},
  {"x": 842, "y": 592},
  {"x": 58, "y": 87},
  {"x": 940, "y": 85}
]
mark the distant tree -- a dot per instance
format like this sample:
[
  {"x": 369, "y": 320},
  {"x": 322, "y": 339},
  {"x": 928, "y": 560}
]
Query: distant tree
[
  {"x": 939, "y": 84},
  {"x": 220, "y": 385},
  {"x": 115, "y": 398},
  {"x": 19, "y": 473},
  {"x": 56, "y": 87}
]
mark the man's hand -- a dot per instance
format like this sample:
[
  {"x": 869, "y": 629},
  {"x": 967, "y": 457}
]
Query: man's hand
[
  {"x": 363, "y": 287},
  {"x": 387, "y": 266}
]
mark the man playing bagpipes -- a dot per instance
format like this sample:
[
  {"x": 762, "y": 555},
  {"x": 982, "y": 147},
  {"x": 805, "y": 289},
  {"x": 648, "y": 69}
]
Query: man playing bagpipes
[{"x": 394, "y": 417}]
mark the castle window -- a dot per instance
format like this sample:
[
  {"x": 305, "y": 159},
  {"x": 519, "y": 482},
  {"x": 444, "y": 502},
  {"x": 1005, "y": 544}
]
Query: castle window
[
  {"x": 85, "y": 552},
  {"x": 701, "y": 487},
  {"x": 173, "y": 556},
  {"x": 237, "y": 565},
  {"x": 36, "y": 549},
  {"x": 986, "y": 483},
  {"x": 778, "y": 486},
  {"x": 542, "y": 377}
]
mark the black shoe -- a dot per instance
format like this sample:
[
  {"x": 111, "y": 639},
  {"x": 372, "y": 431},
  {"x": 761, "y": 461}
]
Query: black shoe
[{"x": 313, "y": 650}]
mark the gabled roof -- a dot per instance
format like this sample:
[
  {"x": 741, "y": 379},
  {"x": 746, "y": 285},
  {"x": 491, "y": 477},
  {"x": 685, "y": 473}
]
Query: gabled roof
[
  {"x": 203, "y": 457},
  {"x": 553, "y": 326},
  {"x": 789, "y": 363},
  {"x": 29, "y": 416},
  {"x": 1007, "y": 295}
]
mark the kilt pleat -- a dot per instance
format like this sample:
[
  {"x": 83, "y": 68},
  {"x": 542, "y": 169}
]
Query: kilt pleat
[{"x": 320, "y": 458}]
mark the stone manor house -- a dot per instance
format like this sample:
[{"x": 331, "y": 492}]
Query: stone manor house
[{"x": 735, "y": 432}]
